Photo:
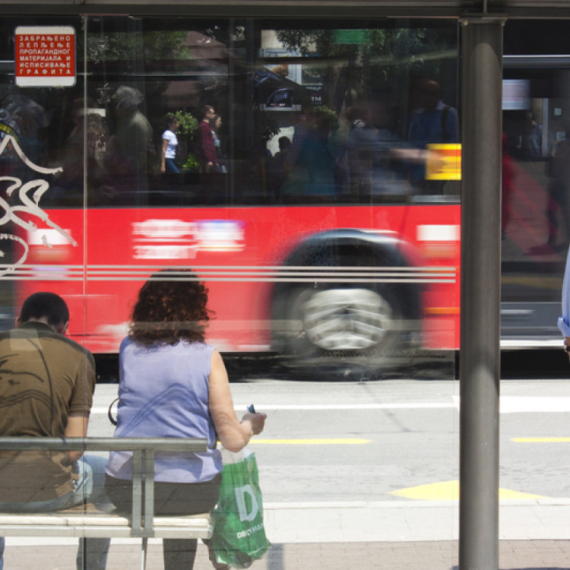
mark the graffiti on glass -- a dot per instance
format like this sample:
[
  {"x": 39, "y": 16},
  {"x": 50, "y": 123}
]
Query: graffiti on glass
[{"x": 29, "y": 195}]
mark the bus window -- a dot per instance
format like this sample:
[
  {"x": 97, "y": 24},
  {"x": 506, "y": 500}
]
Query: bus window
[
  {"x": 307, "y": 170},
  {"x": 535, "y": 206},
  {"x": 258, "y": 112}
]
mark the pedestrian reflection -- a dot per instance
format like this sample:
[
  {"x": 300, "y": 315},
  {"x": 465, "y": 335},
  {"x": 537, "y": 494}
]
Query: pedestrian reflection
[
  {"x": 310, "y": 164},
  {"x": 432, "y": 122},
  {"x": 130, "y": 154}
]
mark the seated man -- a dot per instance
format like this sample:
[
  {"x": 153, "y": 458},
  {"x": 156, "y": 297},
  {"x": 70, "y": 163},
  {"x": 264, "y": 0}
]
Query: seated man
[{"x": 46, "y": 390}]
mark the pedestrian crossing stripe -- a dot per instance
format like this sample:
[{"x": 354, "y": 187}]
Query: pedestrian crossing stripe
[{"x": 449, "y": 491}]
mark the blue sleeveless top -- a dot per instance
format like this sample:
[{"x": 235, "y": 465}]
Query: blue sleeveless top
[{"x": 163, "y": 392}]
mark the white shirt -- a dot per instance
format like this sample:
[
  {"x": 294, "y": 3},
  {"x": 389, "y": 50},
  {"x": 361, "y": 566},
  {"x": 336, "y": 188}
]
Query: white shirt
[{"x": 172, "y": 143}]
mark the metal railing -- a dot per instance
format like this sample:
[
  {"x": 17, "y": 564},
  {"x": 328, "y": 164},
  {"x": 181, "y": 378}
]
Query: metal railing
[{"x": 143, "y": 450}]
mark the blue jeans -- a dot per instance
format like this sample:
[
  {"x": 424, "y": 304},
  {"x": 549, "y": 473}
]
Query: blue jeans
[
  {"x": 90, "y": 487},
  {"x": 170, "y": 167}
]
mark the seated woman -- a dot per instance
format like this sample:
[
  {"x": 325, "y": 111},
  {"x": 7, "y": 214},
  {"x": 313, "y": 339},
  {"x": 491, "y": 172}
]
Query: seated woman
[{"x": 172, "y": 384}]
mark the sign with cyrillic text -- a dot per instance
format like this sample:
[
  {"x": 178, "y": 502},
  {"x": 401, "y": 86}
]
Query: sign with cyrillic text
[{"x": 45, "y": 56}]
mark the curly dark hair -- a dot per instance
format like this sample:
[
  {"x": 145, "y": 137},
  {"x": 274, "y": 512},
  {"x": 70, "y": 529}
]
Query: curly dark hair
[{"x": 171, "y": 307}]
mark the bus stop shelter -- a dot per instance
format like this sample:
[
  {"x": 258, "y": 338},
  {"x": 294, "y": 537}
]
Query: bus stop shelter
[{"x": 482, "y": 23}]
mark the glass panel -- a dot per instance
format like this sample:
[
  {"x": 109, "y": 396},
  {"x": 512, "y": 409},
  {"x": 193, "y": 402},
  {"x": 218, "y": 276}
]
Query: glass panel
[
  {"x": 535, "y": 236},
  {"x": 357, "y": 113},
  {"x": 322, "y": 215},
  {"x": 534, "y": 248},
  {"x": 47, "y": 380}
]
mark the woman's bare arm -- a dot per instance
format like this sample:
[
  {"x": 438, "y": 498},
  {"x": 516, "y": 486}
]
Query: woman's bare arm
[
  {"x": 163, "y": 157},
  {"x": 233, "y": 434},
  {"x": 76, "y": 427}
]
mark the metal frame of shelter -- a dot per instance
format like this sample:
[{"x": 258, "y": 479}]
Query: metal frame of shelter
[{"x": 482, "y": 24}]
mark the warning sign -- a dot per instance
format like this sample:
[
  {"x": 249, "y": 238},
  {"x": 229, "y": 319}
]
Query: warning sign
[{"x": 45, "y": 56}]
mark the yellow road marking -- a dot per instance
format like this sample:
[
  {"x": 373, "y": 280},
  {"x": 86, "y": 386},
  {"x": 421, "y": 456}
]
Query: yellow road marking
[
  {"x": 541, "y": 439},
  {"x": 310, "y": 441},
  {"x": 449, "y": 491},
  {"x": 528, "y": 281}
]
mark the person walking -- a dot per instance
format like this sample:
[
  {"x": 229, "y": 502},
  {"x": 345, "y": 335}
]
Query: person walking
[{"x": 169, "y": 144}]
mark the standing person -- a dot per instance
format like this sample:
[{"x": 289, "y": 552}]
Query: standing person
[
  {"x": 172, "y": 384},
  {"x": 558, "y": 169},
  {"x": 362, "y": 140},
  {"x": 130, "y": 157},
  {"x": 564, "y": 320},
  {"x": 433, "y": 122},
  {"x": 216, "y": 126},
  {"x": 207, "y": 150},
  {"x": 310, "y": 165},
  {"x": 46, "y": 391},
  {"x": 507, "y": 186},
  {"x": 169, "y": 144}
]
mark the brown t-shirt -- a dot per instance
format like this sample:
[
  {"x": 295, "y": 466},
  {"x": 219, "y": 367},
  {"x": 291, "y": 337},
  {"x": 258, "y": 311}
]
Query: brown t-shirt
[{"x": 44, "y": 377}]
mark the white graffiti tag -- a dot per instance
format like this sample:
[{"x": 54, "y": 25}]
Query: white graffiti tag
[{"x": 29, "y": 205}]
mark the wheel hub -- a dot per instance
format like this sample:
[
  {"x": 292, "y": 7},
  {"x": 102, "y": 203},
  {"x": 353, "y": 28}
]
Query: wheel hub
[{"x": 347, "y": 319}]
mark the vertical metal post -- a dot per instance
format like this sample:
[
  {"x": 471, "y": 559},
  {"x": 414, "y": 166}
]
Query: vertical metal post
[
  {"x": 136, "y": 523},
  {"x": 149, "y": 493},
  {"x": 480, "y": 291}
]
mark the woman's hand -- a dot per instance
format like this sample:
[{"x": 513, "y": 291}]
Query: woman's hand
[{"x": 256, "y": 420}]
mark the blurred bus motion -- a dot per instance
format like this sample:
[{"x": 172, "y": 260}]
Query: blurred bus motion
[
  {"x": 314, "y": 224},
  {"x": 318, "y": 192}
]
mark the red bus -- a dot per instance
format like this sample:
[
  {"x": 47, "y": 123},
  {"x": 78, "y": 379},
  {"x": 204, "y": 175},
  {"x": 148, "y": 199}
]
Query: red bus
[{"x": 326, "y": 224}]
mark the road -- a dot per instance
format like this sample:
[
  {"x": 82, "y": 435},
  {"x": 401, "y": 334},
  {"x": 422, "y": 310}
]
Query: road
[
  {"x": 344, "y": 462},
  {"x": 379, "y": 441}
]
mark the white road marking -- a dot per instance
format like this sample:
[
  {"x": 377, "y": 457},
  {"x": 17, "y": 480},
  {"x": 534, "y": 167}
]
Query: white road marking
[
  {"x": 325, "y": 407},
  {"x": 508, "y": 405},
  {"x": 531, "y": 404}
]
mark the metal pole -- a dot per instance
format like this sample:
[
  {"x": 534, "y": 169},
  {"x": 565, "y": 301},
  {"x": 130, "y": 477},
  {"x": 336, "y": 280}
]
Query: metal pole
[{"x": 480, "y": 291}]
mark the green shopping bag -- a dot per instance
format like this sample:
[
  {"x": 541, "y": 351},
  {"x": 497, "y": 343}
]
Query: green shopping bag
[{"x": 239, "y": 533}]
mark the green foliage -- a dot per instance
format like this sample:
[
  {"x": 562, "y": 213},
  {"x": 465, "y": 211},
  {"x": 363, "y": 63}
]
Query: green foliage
[
  {"x": 187, "y": 129},
  {"x": 191, "y": 163},
  {"x": 325, "y": 118},
  {"x": 136, "y": 46},
  {"x": 387, "y": 53},
  {"x": 187, "y": 124}
]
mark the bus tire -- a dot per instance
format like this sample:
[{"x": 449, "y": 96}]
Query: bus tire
[{"x": 340, "y": 326}]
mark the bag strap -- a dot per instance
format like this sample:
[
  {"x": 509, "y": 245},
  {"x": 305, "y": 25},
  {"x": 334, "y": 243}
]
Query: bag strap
[
  {"x": 444, "y": 113},
  {"x": 110, "y": 412}
]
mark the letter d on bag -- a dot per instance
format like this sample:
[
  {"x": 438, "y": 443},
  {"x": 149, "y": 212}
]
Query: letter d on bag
[{"x": 242, "y": 506}]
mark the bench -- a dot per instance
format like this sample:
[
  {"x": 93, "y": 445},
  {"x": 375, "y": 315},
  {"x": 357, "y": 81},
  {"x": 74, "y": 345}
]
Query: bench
[{"x": 87, "y": 522}]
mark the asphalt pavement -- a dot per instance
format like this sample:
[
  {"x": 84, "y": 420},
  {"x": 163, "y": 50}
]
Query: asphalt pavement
[{"x": 397, "y": 532}]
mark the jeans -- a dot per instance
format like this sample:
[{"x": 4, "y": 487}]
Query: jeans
[
  {"x": 90, "y": 487},
  {"x": 171, "y": 499},
  {"x": 170, "y": 167}
]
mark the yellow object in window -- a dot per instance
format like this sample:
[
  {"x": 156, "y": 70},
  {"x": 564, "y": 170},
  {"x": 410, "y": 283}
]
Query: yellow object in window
[{"x": 443, "y": 162}]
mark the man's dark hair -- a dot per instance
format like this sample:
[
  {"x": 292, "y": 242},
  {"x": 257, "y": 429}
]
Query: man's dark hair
[
  {"x": 205, "y": 110},
  {"x": 48, "y": 305}
]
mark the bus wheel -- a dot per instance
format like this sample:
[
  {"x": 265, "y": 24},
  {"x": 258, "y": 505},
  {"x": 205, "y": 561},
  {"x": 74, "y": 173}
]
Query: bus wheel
[{"x": 343, "y": 319}]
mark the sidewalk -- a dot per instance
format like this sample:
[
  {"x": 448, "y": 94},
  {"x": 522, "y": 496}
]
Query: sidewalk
[
  {"x": 406, "y": 535},
  {"x": 440, "y": 555}
]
